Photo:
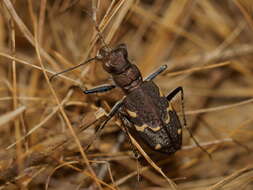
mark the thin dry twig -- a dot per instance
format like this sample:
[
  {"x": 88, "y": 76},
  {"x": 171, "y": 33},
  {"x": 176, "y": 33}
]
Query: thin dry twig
[
  {"x": 207, "y": 48},
  {"x": 10, "y": 116}
]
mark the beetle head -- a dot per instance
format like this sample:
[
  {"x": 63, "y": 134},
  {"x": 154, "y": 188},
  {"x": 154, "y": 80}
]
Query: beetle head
[{"x": 114, "y": 61}]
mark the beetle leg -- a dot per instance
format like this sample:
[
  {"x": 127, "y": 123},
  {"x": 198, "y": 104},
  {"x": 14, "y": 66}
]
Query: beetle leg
[
  {"x": 172, "y": 94},
  {"x": 169, "y": 97},
  {"x": 156, "y": 73},
  {"x": 113, "y": 111},
  {"x": 125, "y": 125},
  {"x": 135, "y": 151},
  {"x": 98, "y": 89}
]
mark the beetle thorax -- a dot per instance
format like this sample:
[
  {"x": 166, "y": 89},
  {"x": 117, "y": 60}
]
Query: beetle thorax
[
  {"x": 129, "y": 79},
  {"x": 125, "y": 75}
]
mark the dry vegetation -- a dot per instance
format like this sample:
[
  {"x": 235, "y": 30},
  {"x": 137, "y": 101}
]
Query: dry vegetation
[{"x": 207, "y": 45}]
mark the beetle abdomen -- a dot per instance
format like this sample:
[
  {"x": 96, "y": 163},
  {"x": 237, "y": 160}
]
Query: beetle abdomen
[{"x": 153, "y": 119}]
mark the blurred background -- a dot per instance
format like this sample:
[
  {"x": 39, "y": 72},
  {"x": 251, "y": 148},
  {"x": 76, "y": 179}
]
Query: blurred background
[{"x": 46, "y": 126}]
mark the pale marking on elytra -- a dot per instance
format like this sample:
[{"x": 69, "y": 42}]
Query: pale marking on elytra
[
  {"x": 169, "y": 108},
  {"x": 161, "y": 93},
  {"x": 144, "y": 126},
  {"x": 168, "y": 119},
  {"x": 158, "y": 146},
  {"x": 131, "y": 113},
  {"x": 179, "y": 131},
  {"x": 141, "y": 128},
  {"x": 155, "y": 128}
]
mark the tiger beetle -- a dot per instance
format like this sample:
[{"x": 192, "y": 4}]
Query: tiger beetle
[{"x": 149, "y": 114}]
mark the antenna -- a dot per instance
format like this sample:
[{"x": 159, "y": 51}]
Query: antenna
[
  {"x": 101, "y": 38},
  {"x": 72, "y": 68},
  {"x": 99, "y": 33}
]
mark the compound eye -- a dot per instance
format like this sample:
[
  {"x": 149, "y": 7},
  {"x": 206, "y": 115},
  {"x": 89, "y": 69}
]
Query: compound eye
[
  {"x": 102, "y": 52},
  {"x": 123, "y": 49}
]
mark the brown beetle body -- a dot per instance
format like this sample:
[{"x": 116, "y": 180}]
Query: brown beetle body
[
  {"x": 152, "y": 119},
  {"x": 146, "y": 112}
]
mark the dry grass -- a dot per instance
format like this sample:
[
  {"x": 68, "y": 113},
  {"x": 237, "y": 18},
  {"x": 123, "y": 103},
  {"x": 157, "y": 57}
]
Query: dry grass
[{"x": 207, "y": 45}]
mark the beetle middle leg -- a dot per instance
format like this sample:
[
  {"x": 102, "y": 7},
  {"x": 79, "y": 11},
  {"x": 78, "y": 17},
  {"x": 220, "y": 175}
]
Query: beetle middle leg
[
  {"x": 169, "y": 97},
  {"x": 113, "y": 111},
  {"x": 98, "y": 89},
  {"x": 156, "y": 73}
]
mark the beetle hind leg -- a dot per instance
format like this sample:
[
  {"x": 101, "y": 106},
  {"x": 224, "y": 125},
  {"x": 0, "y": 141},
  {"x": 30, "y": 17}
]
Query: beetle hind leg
[{"x": 169, "y": 97}]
